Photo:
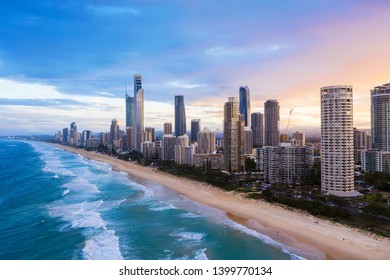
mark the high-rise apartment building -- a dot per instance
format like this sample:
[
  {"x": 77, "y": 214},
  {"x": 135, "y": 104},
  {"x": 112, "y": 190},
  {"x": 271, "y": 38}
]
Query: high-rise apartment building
[
  {"x": 138, "y": 111},
  {"x": 195, "y": 128},
  {"x": 180, "y": 116},
  {"x": 206, "y": 142},
  {"x": 167, "y": 128},
  {"x": 234, "y": 137},
  {"x": 245, "y": 105},
  {"x": 380, "y": 117},
  {"x": 168, "y": 143},
  {"x": 129, "y": 111},
  {"x": 271, "y": 123},
  {"x": 337, "y": 162},
  {"x": 257, "y": 126}
]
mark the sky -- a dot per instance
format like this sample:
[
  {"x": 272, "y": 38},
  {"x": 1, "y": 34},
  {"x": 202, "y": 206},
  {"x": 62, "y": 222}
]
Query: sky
[{"x": 65, "y": 61}]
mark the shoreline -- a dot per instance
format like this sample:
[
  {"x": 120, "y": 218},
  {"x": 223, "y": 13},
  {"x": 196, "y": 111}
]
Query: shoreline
[{"x": 303, "y": 234}]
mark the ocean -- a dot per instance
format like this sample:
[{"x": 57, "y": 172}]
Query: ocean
[{"x": 62, "y": 206}]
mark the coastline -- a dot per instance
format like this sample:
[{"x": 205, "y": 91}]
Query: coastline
[{"x": 305, "y": 235}]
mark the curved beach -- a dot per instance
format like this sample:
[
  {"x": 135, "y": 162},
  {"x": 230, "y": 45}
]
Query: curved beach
[{"x": 310, "y": 237}]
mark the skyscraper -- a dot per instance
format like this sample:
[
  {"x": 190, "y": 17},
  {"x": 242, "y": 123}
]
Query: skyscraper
[
  {"x": 168, "y": 128},
  {"x": 195, "y": 128},
  {"x": 234, "y": 137},
  {"x": 337, "y": 163},
  {"x": 271, "y": 127},
  {"x": 180, "y": 116},
  {"x": 138, "y": 111},
  {"x": 380, "y": 117},
  {"x": 152, "y": 132},
  {"x": 245, "y": 105},
  {"x": 129, "y": 111},
  {"x": 257, "y": 126},
  {"x": 73, "y": 134}
]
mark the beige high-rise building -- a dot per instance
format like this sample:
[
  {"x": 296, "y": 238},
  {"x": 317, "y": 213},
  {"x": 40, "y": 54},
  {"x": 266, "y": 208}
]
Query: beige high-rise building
[
  {"x": 248, "y": 141},
  {"x": 337, "y": 162},
  {"x": 234, "y": 137},
  {"x": 167, "y": 128},
  {"x": 181, "y": 143},
  {"x": 168, "y": 143},
  {"x": 206, "y": 142}
]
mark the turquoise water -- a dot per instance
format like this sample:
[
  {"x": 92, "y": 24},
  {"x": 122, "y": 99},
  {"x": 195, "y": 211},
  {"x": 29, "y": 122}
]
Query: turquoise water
[{"x": 58, "y": 205}]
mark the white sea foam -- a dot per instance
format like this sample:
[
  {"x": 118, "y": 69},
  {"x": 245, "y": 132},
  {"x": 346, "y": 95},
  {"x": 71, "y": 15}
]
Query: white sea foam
[
  {"x": 110, "y": 204},
  {"x": 66, "y": 192},
  {"x": 200, "y": 254},
  {"x": 102, "y": 246},
  {"x": 183, "y": 235}
]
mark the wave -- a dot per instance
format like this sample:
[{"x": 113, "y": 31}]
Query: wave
[
  {"x": 103, "y": 246},
  {"x": 162, "y": 208}
]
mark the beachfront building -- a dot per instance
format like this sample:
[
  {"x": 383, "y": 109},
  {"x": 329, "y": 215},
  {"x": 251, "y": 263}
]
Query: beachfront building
[
  {"x": 271, "y": 123},
  {"x": 73, "y": 134},
  {"x": 337, "y": 162},
  {"x": 138, "y": 111},
  {"x": 168, "y": 143},
  {"x": 180, "y": 116},
  {"x": 234, "y": 137},
  {"x": 206, "y": 142},
  {"x": 195, "y": 128},
  {"x": 148, "y": 149},
  {"x": 209, "y": 161},
  {"x": 285, "y": 164},
  {"x": 245, "y": 105},
  {"x": 189, "y": 152},
  {"x": 257, "y": 126}
]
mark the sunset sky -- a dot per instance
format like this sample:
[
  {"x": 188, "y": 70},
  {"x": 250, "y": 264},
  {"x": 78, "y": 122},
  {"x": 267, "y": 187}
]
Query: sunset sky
[{"x": 65, "y": 61}]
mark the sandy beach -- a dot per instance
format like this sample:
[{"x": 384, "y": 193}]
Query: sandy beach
[{"x": 306, "y": 235}]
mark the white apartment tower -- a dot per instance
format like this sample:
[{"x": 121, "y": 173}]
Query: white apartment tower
[{"x": 337, "y": 161}]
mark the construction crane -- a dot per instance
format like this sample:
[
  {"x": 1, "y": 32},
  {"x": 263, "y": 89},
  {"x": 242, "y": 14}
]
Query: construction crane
[{"x": 289, "y": 119}]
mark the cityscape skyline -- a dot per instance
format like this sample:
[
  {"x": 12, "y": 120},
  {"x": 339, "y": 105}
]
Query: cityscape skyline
[{"x": 289, "y": 51}]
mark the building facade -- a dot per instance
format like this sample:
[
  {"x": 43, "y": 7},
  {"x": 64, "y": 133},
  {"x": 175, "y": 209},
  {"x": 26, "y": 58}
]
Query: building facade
[
  {"x": 129, "y": 110},
  {"x": 337, "y": 162}
]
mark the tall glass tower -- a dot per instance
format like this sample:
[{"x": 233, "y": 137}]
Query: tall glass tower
[
  {"x": 180, "y": 116},
  {"x": 129, "y": 111},
  {"x": 245, "y": 105},
  {"x": 138, "y": 111}
]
